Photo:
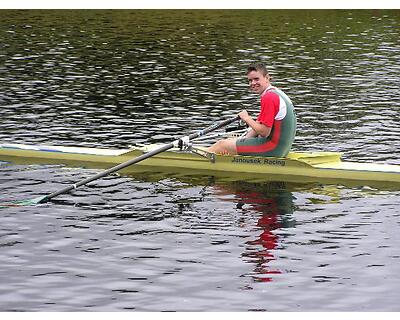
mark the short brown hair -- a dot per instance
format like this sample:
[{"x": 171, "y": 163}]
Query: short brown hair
[{"x": 260, "y": 67}]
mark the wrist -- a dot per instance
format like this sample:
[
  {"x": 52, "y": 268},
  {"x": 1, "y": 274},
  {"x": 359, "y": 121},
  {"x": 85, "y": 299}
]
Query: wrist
[{"x": 247, "y": 119}]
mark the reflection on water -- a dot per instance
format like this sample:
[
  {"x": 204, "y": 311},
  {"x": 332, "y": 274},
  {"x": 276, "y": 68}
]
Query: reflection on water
[
  {"x": 193, "y": 244},
  {"x": 273, "y": 205}
]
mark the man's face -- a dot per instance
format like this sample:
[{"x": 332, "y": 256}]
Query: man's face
[{"x": 257, "y": 81}]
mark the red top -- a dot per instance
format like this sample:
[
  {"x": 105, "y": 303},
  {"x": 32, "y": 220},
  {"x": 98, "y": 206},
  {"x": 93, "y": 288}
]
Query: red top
[{"x": 269, "y": 108}]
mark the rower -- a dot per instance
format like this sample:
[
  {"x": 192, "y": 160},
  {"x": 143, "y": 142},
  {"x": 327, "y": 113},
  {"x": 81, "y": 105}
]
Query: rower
[{"x": 273, "y": 132}]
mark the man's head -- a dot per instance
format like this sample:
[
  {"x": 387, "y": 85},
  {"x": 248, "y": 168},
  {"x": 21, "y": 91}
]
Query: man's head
[{"x": 258, "y": 77}]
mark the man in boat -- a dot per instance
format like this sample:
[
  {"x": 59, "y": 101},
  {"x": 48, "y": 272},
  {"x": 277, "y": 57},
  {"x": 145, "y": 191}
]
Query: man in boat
[{"x": 273, "y": 132}]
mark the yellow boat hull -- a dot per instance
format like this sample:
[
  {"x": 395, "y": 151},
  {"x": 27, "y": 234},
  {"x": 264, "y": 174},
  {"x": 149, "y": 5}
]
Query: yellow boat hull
[{"x": 296, "y": 167}]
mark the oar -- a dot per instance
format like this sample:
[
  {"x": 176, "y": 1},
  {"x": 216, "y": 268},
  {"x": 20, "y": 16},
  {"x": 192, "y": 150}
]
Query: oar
[{"x": 144, "y": 156}]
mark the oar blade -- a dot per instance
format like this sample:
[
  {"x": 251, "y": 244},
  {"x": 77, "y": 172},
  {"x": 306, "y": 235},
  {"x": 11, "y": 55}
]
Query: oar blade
[{"x": 22, "y": 203}]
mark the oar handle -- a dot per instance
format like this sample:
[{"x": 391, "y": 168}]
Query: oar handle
[{"x": 137, "y": 159}]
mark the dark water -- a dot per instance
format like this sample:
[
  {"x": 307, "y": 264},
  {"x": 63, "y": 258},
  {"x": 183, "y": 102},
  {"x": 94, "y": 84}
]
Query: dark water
[{"x": 159, "y": 242}]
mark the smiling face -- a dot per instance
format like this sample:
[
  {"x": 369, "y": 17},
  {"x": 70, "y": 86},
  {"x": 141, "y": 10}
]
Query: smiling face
[{"x": 258, "y": 82}]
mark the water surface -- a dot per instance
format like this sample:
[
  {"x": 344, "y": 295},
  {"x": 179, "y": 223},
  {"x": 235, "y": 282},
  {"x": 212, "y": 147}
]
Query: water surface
[{"x": 165, "y": 242}]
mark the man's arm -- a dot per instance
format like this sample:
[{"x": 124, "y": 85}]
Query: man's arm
[{"x": 257, "y": 128}]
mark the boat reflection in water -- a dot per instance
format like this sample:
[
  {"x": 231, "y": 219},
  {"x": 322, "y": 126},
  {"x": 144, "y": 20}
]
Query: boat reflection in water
[{"x": 272, "y": 205}]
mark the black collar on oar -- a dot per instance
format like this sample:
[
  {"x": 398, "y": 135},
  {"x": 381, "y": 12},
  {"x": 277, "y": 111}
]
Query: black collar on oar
[{"x": 142, "y": 157}]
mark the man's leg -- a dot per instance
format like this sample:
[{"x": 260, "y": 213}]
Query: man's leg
[{"x": 225, "y": 146}]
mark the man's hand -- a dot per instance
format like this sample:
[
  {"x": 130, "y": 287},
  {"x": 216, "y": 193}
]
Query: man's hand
[
  {"x": 259, "y": 129},
  {"x": 244, "y": 116}
]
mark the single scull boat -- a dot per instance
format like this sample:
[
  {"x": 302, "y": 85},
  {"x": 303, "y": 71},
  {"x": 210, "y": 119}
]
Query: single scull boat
[{"x": 296, "y": 167}]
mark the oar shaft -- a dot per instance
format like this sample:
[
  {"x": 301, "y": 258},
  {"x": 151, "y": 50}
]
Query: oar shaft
[
  {"x": 136, "y": 160},
  {"x": 213, "y": 127},
  {"x": 108, "y": 171}
]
